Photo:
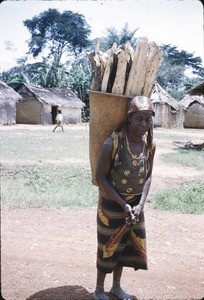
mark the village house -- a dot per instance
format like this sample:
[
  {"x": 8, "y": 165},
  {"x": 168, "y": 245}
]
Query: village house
[
  {"x": 40, "y": 105},
  {"x": 8, "y": 100},
  {"x": 193, "y": 103},
  {"x": 168, "y": 111}
]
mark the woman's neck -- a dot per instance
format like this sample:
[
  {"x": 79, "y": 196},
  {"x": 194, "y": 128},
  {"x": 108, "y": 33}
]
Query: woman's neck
[{"x": 133, "y": 137}]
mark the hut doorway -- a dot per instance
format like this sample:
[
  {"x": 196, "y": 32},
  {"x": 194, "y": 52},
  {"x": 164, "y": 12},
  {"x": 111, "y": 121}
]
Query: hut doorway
[{"x": 54, "y": 113}]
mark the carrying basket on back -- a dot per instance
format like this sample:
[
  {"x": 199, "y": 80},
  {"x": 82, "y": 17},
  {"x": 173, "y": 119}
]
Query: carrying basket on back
[{"x": 108, "y": 113}]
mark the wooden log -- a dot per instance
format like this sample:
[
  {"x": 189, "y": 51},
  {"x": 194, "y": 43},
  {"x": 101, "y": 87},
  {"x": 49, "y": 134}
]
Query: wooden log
[
  {"x": 113, "y": 71},
  {"x": 96, "y": 77},
  {"x": 123, "y": 59},
  {"x": 107, "y": 70},
  {"x": 97, "y": 69},
  {"x": 154, "y": 60},
  {"x": 138, "y": 69}
]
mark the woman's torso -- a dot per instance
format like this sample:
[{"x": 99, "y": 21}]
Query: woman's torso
[{"x": 128, "y": 173}]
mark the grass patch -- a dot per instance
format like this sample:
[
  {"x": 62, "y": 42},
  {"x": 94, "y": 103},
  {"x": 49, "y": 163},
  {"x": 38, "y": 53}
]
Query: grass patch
[
  {"x": 188, "y": 198},
  {"x": 187, "y": 158},
  {"x": 44, "y": 145},
  {"x": 45, "y": 169},
  {"x": 48, "y": 186},
  {"x": 171, "y": 136},
  {"x": 40, "y": 168}
]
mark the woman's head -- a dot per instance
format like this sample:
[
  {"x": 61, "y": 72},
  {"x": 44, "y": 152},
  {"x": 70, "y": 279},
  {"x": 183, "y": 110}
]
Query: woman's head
[
  {"x": 140, "y": 121},
  {"x": 140, "y": 103},
  {"x": 140, "y": 112}
]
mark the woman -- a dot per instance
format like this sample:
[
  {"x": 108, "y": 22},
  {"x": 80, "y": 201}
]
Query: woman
[{"x": 123, "y": 175}]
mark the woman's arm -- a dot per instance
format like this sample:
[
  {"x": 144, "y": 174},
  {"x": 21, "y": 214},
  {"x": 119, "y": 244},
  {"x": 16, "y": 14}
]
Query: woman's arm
[
  {"x": 146, "y": 188},
  {"x": 102, "y": 172}
]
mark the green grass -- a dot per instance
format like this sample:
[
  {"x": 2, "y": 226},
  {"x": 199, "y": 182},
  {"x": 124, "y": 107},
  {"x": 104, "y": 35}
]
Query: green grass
[
  {"x": 40, "y": 168},
  {"x": 45, "y": 169},
  {"x": 172, "y": 136},
  {"x": 43, "y": 145},
  {"x": 189, "y": 198},
  {"x": 48, "y": 186},
  {"x": 186, "y": 158}
]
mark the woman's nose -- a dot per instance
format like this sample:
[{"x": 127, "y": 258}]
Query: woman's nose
[{"x": 144, "y": 123}]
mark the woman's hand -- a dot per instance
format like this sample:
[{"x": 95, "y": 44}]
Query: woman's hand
[
  {"x": 130, "y": 218},
  {"x": 137, "y": 211}
]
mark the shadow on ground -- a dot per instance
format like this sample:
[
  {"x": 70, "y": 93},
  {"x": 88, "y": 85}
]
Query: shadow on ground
[{"x": 74, "y": 292}]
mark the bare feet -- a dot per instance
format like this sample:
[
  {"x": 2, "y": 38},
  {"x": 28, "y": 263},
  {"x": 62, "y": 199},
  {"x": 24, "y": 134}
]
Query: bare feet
[
  {"x": 120, "y": 294},
  {"x": 100, "y": 294}
]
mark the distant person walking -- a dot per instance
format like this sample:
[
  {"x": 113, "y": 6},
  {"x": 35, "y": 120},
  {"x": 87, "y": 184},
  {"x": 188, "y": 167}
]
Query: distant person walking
[{"x": 59, "y": 120}]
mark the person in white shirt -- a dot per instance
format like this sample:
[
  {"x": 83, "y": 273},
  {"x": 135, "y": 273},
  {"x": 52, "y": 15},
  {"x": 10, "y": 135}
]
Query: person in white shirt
[{"x": 59, "y": 120}]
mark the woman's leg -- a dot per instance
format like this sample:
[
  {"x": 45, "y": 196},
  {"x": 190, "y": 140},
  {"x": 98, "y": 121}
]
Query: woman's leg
[
  {"x": 99, "y": 293},
  {"x": 116, "y": 288}
]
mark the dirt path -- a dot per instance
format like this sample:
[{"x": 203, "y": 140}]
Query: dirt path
[{"x": 50, "y": 254}]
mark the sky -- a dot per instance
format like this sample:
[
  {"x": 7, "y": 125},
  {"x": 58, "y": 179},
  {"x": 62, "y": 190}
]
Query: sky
[{"x": 175, "y": 22}]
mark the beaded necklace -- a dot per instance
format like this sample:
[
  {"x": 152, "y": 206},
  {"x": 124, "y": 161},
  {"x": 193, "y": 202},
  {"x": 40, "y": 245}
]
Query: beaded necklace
[{"x": 134, "y": 156}]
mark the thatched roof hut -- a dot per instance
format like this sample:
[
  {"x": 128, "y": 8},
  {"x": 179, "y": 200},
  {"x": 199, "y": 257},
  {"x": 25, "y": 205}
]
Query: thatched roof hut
[
  {"x": 197, "y": 90},
  {"x": 40, "y": 105},
  {"x": 168, "y": 112},
  {"x": 193, "y": 103},
  {"x": 8, "y": 99}
]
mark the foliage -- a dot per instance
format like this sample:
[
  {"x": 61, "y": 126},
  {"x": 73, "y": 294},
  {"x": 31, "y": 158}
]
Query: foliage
[
  {"x": 63, "y": 34},
  {"x": 121, "y": 37},
  {"x": 58, "y": 32},
  {"x": 78, "y": 79},
  {"x": 188, "y": 198},
  {"x": 172, "y": 72},
  {"x": 182, "y": 58},
  {"x": 45, "y": 73}
]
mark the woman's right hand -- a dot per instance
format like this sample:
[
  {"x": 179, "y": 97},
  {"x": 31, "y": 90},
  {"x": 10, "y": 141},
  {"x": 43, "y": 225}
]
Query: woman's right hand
[{"x": 130, "y": 218}]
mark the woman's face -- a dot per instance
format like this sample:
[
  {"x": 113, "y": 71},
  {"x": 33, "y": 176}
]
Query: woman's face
[{"x": 141, "y": 121}]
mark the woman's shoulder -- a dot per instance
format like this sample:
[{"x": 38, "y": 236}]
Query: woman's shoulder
[{"x": 114, "y": 137}]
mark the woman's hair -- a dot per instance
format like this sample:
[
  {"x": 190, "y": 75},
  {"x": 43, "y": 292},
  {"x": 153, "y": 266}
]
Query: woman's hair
[{"x": 150, "y": 141}]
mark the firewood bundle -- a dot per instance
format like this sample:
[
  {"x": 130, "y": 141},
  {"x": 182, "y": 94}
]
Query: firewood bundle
[{"x": 125, "y": 71}]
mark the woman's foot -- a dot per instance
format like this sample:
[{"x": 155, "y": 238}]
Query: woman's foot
[
  {"x": 100, "y": 294},
  {"x": 120, "y": 294}
]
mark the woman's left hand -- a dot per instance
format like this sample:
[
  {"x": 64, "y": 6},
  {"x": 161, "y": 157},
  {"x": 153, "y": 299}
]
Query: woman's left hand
[{"x": 137, "y": 211}]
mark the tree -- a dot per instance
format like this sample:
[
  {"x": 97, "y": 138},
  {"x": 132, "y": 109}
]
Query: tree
[
  {"x": 121, "y": 37},
  {"x": 182, "y": 58},
  {"x": 78, "y": 79},
  {"x": 58, "y": 33},
  {"x": 172, "y": 72}
]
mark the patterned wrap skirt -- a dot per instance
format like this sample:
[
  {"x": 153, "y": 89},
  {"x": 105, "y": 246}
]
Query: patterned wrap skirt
[{"x": 119, "y": 244}]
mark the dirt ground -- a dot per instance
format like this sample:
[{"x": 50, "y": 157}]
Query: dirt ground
[{"x": 51, "y": 254}]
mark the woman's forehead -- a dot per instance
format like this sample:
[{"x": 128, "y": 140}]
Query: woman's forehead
[{"x": 144, "y": 113}]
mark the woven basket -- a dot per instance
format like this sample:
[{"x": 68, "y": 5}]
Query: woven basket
[{"x": 108, "y": 113}]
